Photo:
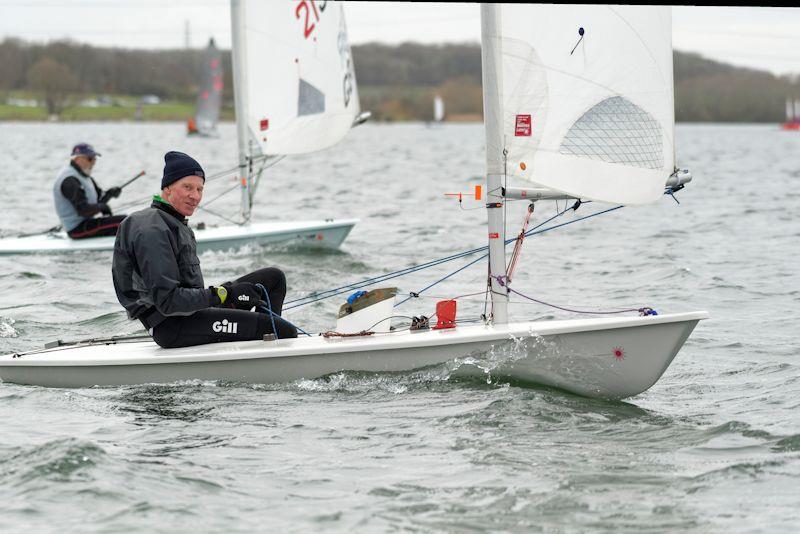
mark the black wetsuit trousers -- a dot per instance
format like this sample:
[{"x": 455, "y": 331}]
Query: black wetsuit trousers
[
  {"x": 101, "y": 226},
  {"x": 215, "y": 325}
]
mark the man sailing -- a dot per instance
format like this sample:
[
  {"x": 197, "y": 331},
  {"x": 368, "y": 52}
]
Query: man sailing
[
  {"x": 79, "y": 199},
  {"x": 158, "y": 280}
]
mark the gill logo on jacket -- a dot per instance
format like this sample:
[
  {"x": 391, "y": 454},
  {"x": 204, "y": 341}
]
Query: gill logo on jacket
[{"x": 225, "y": 326}]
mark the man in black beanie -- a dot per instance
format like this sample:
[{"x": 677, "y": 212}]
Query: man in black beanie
[{"x": 158, "y": 280}]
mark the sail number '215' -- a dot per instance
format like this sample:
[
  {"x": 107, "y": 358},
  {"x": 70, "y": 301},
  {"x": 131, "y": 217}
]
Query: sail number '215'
[
  {"x": 308, "y": 12},
  {"x": 310, "y": 8}
]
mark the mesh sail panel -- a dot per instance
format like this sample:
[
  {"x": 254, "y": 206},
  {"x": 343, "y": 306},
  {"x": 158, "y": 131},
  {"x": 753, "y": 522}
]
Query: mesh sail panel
[
  {"x": 616, "y": 131},
  {"x": 296, "y": 78},
  {"x": 310, "y": 99}
]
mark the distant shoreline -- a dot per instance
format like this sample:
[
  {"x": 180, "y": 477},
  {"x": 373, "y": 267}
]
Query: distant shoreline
[{"x": 396, "y": 83}]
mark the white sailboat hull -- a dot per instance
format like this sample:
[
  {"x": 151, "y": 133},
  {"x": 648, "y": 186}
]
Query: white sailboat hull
[
  {"x": 605, "y": 358},
  {"x": 324, "y": 234}
]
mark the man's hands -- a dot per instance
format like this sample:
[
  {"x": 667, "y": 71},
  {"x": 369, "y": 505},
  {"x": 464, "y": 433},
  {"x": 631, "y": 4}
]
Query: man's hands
[
  {"x": 114, "y": 192},
  {"x": 104, "y": 209}
]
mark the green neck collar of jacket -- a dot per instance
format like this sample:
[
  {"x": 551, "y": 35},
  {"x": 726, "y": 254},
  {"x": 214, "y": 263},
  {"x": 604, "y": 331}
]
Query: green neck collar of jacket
[{"x": 157, "y": 198}]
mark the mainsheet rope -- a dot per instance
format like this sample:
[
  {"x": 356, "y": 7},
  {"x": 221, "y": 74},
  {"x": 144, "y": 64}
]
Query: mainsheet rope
[{"x": 302, "y": 301}]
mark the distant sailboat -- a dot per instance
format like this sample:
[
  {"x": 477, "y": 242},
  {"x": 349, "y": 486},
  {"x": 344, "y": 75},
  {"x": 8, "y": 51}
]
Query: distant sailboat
[
  {"x": 209, "y": 96},
  {"x": 792, "y": 115},
  {"x": 295, "y": 93},
  {"x": 438, "y": 109}
]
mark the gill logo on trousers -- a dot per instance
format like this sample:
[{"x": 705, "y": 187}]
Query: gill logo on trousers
[{"x": 225, "y": 326}]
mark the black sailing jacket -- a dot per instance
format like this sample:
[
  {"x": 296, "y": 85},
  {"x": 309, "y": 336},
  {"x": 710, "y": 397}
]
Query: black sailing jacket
[{"x": 155, "y": 268}]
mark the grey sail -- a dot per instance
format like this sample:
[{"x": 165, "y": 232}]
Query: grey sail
[{"x": 209, "y": 97}]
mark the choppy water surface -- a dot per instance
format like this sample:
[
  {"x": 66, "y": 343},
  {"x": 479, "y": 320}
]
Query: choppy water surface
[{"x": 714, "y": 446}]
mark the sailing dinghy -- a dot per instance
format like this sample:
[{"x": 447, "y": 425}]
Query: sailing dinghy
[
  {"x": 316, "y": 234},
  {"x": 594, "y": 124},
  {"x": 295, "y": 93},
  {"x": 438, "y": 109},
  {"x": 792, "y": 115},
  {"x": 209, "y": 96}
]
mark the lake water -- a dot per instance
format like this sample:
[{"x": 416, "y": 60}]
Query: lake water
[{"x": 714, "y": 446}]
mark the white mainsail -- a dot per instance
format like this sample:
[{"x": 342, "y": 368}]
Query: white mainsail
[
  {"x": 296, "y": 86},
  {"x": 438, "y": 109},
  {"x": 585, "y": 99}
]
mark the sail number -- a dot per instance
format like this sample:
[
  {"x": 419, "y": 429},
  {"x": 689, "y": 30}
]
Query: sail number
[
  {"x": 311, "y": 14},
  {"x": 347, "y": 63}
]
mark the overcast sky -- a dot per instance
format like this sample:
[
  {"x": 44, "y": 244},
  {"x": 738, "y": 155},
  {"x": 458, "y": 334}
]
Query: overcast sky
[{"x": 757, "y": 37}]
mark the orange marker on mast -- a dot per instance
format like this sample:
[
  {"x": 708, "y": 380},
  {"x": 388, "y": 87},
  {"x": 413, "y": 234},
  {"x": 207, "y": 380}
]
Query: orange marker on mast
[{"x": 476, "y": 194}]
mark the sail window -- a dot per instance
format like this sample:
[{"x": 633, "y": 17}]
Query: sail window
[
  {"x": 310, "y": 99},
  {"x": 617, "y": 131}
]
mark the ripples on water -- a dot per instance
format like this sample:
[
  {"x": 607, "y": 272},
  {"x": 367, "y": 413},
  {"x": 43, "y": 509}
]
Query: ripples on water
[{"x": 713, "y": 446}]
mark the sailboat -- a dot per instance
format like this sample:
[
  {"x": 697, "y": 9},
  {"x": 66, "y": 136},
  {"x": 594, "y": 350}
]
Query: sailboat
[
  {"x": 209, "y": 96},
  {"x": 438, "y": 109},
  {"x": 792, "y": 115},
  {"x": 295, "y": 93},
  {"x": 595, "y": 124}
]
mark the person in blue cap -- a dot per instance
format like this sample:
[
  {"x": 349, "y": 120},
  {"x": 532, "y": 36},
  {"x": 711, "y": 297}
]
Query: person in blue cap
[
  {"x": 79, "y": 200},
  {"x": 157, "y": 276}
]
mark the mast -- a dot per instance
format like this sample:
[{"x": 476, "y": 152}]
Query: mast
[
  {"x": 491, "y": 61},
  {"x": 238, "y": 52}
]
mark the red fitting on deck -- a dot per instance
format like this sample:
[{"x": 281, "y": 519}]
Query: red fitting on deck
[{"x": 446, "y": 314}]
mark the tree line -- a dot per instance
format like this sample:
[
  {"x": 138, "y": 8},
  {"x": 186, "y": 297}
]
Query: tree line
[{"x": 395, "y": 82}]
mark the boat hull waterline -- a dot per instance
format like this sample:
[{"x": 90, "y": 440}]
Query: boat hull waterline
[
  {"x": 327, "y": 234},
  {"x": 603, "y": 358}
]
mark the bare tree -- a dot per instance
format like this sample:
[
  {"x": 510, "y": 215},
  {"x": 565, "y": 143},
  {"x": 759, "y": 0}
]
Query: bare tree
[
  {"x": 12, "y": 64},
  {"x": 54, "y": 80}
]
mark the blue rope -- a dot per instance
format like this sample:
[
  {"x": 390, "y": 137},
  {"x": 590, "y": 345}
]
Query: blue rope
[
  {"x": 382, "y": 278},
  {"x": 557, "y": 215},
  {"x": 533, "y": 232},
  {"x": 443, "y": 279},
  {"x": 265, "y": 294},
  {"x": 309, "y": 299},
  {"x": 272, "y": 314}
]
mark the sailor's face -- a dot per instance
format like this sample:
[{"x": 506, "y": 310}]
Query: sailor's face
[
  {"x": 185, "y": 194},
  {"x": 86, "y": 163}
]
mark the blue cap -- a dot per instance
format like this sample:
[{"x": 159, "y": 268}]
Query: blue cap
[{"x": 84, "y": 149}]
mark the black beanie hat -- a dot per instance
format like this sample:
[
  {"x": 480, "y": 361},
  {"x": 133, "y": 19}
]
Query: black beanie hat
[{"x": 178, "y": 165}]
